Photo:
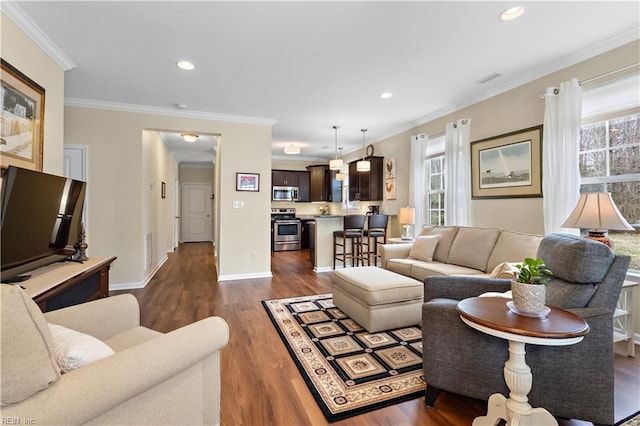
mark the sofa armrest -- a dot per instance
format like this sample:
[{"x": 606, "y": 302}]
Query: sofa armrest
[
  {"x": 102, "y": 318},
  {"x": 393, "y": 251},
  {"x": 94, "y": 389},
  {"x": 458, "y": 287}
]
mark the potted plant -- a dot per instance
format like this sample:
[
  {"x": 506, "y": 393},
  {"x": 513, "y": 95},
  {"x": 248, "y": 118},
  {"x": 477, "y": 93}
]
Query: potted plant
[{"x": 528, "y": 286}]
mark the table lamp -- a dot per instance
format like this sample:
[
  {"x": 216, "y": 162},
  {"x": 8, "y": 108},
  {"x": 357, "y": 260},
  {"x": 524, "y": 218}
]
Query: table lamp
[
  {"x": 597, "y": 212},
  {"x": 407, "y": 218}
]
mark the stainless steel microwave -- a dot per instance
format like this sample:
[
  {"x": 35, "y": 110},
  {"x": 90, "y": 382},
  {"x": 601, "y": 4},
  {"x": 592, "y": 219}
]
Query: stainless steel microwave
[{"x": 285, "y": 193}]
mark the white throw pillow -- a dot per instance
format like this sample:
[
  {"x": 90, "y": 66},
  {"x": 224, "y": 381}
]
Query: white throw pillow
[
  {"x": 423, "y": 247},
  {"x": 73, "y": 349},
  {"x": 504, "y": 270}
]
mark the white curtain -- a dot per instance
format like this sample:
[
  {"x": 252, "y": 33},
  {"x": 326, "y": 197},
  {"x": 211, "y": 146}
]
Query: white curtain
[
  {"x": 457, "y": 169},
  {"x": 561, "y": 142},
  {"x": 416, "y": 180}
]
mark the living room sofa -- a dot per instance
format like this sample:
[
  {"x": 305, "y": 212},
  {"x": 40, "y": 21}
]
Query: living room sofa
[
  {"x": 458, "y": 250},
  {"x": 148, "y": 377}
]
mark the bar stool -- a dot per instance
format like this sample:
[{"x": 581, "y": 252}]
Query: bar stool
[
  {"x": 376, "y": 228},
  {"x": 352, "y": 228}
]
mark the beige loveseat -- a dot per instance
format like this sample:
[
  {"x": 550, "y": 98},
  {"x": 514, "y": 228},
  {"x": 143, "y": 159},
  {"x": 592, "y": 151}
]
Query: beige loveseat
[
  {"x": 458, "y": 250},
  {"x": 152, "y": 378}
]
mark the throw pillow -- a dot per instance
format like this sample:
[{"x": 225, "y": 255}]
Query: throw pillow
[
  {"x": 27, "y": 364},
  {"x": 423, "y": 247},
  {"x": 73, "y": 349},
  {"x": 504, "y": 270}
]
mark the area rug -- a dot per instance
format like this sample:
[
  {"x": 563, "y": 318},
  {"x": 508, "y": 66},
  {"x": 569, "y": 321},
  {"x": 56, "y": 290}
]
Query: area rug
[
  {"x": 348, "y": 370},
  {"x": 633, "y": 420}
]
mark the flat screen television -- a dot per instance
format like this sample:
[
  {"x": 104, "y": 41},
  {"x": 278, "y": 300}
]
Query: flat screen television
[{"x": 41, "y": 220}]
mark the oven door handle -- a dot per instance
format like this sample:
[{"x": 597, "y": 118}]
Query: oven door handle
[{"x": 287, "y": 222}]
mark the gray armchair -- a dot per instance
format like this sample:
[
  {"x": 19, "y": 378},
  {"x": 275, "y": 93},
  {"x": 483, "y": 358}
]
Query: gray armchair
[{"x": 570, "y": 381}]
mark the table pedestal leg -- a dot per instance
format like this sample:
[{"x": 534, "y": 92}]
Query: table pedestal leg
[{"x": 516, "y": 409}]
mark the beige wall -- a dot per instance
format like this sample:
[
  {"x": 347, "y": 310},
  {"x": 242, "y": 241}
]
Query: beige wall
[
  {"x": 119, "y": 183},
  {"x": 516, "y": 109},
  {"x": 21, "y": 52}
]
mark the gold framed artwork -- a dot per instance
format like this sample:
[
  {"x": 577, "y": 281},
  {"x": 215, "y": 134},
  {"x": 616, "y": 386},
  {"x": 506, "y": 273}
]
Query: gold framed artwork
[
  {"x": 507, "y": 166},
  {"x": 22, "y": 116}
]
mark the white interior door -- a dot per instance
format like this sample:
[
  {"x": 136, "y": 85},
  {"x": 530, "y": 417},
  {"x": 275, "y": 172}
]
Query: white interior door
[
  {"x": 176, "y": 214},
  {"x": 196, "y": 212},
  {"x": 75, "y": 167}
]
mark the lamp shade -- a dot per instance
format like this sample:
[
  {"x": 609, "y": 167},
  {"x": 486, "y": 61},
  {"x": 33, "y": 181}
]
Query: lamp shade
[
  {"x": 407, "y": 216},
  {"x": 597, "y": 211},
  {"x": 336, "y": 164}
]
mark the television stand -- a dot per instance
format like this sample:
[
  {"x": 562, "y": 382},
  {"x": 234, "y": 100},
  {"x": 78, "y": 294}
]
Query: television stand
[{"x": 59, "y": 285}]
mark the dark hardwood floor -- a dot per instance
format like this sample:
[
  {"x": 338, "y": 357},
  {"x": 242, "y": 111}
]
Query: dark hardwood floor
[{"x": 260, "y": 383}]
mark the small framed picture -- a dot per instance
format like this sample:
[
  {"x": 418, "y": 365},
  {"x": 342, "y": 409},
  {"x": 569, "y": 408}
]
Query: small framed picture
[
  {"x": 163, "y": 190},
  {"x": 248, "y": 182}
]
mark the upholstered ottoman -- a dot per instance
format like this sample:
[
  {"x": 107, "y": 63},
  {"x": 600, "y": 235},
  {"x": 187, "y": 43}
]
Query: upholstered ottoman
[{"x": 377, "y": 299}]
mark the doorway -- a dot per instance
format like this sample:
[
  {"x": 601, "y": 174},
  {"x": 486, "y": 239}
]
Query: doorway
[{"x": 196, "y": 212}]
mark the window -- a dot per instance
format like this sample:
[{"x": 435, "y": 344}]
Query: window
[
  {"x": 434, "y": 182},
  {"x": 609, "y": 161}
]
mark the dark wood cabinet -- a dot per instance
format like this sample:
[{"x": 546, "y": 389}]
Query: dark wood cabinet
[
  {"x": 367, "y": 186},
  {"x": 297, "y": 178},
  {"x": 323, "y": 184}
]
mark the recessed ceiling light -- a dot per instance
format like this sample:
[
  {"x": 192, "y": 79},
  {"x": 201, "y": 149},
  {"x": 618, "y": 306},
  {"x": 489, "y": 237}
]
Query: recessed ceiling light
[
  {"x": 185, "y": 65},
  {"x": 181, "y": 106},
  {"x": 511, "y": 13},
  {"x": 386, "y": 95}
]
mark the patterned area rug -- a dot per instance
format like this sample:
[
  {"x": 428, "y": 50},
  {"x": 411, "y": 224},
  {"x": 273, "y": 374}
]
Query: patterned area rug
[
  {"x": 634, "y": 420},
  {"x": 348, "y": 370}
]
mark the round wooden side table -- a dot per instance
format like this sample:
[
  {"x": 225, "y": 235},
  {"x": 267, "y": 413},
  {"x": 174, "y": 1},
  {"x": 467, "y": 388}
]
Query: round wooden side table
[{"x": 491, "y": 315}]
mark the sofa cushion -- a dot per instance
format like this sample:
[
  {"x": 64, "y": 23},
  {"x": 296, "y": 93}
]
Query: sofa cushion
[
  {"x": 27, "y": 365},
  {"x": 472, "y": 247},
  {"x": 401, "y": 266},
  {"x": 447, "y": 235},
  {"x": 575, "y": 259},
  {"x": 513, "y": 247},
  {"x": 73, "y": 349},
  {"x": 421, "y": 270},
  {"x": 423, "y": 247}
]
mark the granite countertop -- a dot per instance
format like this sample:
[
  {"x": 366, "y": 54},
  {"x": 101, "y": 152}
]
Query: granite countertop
[{"x": 319, "y": 216}]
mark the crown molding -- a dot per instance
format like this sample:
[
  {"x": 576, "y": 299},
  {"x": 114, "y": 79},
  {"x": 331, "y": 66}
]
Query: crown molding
[
  {"x": 33, "y": 31},
  {"x": 144, "y": 109},
  {"x": 619, "y": 40}
]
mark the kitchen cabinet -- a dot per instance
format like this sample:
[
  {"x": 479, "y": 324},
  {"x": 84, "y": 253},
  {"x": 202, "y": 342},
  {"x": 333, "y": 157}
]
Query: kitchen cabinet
[
  {"x": 297, "y": 178},
  {"x": 304, "y": 236},
  {"x": 323, "y": 185},
  {"x": 367, "y": 186}
]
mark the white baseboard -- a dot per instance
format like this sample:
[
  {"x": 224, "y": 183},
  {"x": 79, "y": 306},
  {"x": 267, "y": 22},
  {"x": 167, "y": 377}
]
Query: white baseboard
[
  {"x": 233, "y": 277},
  {"x": 323, "y": 269},
  {"x": 138, "y": 285}
]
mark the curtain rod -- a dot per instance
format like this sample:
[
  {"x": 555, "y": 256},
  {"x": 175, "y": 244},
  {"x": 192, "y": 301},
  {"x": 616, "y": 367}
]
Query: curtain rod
[
  {"x": 588, "y": 80},
  {"x": 597, "y": 77}
]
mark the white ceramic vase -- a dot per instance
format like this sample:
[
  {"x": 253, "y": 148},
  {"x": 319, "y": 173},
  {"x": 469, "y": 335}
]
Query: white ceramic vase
[{"x": 528, "y": 297}]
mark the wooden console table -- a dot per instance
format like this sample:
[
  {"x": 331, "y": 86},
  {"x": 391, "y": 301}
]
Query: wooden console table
[
  {"x": 490, "y": 315},
  {"x": 64, "y": 284}
]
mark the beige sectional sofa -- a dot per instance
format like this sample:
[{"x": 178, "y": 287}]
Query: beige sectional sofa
[{"x": 458, "y": 250}]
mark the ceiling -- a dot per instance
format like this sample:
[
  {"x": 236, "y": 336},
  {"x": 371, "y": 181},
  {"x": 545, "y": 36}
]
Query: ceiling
[{"x": 307, "y": 66}]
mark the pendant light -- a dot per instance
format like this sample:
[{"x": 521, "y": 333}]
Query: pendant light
[
  {"x": 337, "y": 163},
  {"x": 340, "y": 175},
  {"x": 363, "y": 165}
]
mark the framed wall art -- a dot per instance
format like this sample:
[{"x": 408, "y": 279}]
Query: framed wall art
[
  {"x": 21, "y": 138},
  {"x": 507, "y": 166},
  {"x": 248, "y": 182}
]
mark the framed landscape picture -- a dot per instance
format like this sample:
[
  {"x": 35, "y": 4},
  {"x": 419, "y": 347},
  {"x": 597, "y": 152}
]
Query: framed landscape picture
[
  {"x": 22, "y": 116},
  {"x": 507, "y": 166}
]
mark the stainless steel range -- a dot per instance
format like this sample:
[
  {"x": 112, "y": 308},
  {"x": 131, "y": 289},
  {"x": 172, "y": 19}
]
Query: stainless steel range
[{"x": 286, "y": 230}]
